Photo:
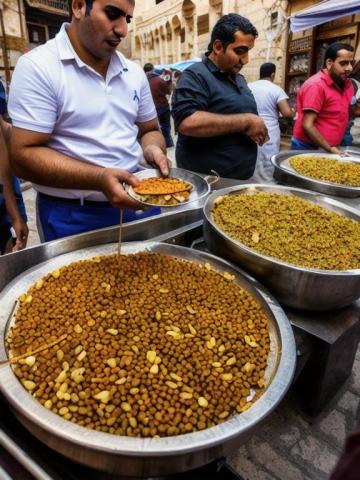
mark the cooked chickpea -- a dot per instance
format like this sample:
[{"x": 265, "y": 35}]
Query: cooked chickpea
[{"x": 160, "y": 353}]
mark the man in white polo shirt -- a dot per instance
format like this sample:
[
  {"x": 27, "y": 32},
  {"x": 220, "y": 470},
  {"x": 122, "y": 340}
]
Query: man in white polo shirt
[{"x": 83, "y": 119}]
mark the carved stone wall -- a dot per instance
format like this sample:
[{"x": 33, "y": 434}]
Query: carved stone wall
[
  {"x": 13, "y": 40},
  {"x": 175, "y": 30}
]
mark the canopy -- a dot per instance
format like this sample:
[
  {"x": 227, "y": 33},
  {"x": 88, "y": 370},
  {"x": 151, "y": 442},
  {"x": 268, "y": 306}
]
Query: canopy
[
  {"x": 181, "y": 66},
  {"x": 323, "y": 12}
]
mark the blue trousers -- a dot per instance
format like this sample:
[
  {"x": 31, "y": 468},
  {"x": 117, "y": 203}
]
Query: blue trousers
[
  {"x": 164, "y": 120},
  {"x": 299, "y": 145},
  {"x": 60, "y": 219}
]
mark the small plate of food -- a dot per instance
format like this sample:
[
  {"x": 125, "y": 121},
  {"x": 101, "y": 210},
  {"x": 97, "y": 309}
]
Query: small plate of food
[{"x": 179, "y": 188}]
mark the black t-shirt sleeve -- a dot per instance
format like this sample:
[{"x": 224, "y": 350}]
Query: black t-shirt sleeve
[{"x": 191, "y": 94}]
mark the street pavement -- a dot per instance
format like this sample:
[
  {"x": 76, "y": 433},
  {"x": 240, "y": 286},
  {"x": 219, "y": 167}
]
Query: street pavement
[{"x": 289, "y": 445}]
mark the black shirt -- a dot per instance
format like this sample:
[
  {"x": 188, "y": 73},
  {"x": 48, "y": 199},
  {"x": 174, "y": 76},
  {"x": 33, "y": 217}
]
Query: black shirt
[{"x": 203, "y": 86}]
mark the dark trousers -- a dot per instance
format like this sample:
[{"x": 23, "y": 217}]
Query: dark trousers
[{"x": 164, "y": 120}]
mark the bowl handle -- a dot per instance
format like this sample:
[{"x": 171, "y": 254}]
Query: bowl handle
[{"x": 211, "y": 179}]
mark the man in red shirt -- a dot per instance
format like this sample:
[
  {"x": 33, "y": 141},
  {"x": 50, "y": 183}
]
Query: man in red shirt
[
  {"x": 160, "y": 90},
  {"x": 323, "y": 103}
]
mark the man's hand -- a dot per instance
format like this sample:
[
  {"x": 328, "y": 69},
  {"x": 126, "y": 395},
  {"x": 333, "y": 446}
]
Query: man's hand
[
  {"x": 22, "y": 232},
  {"x": 157, "y": 158},
  {"x": 110, "y": 183},
  {"x": 337, "y": 151},
  {"x": 256, "y": 129}
]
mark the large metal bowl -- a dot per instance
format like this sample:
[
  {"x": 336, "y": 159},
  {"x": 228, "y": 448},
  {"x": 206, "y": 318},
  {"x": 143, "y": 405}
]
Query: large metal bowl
[
  {"x": 284, "y": 173},
  {"x": 147, "y": 456},
  {"x": 299, "y": 287}
]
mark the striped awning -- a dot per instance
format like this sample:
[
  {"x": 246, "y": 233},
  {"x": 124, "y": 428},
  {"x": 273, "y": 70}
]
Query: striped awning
[{"x": 323, "y": 12}]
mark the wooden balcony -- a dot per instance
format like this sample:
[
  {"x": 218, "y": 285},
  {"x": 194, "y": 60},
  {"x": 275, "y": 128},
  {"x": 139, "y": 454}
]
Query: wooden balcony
[{"x": 58, "y": 7}]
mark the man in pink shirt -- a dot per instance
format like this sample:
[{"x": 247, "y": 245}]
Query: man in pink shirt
[{"x": 323, "y": 103}]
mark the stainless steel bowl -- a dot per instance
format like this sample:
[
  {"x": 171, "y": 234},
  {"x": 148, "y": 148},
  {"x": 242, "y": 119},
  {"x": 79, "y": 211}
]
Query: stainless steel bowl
[
  {"x": 147, "y": 456},
  {"x": 299, "y": 287},
  {"x": 284, "y": 173}
]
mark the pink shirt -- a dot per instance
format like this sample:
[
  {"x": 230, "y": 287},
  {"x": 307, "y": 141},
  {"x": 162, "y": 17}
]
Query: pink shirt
[{"x": 322, "y": 95}]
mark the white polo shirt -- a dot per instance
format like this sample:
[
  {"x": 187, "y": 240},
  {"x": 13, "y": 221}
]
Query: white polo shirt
[{"x": 89, "y": 118}]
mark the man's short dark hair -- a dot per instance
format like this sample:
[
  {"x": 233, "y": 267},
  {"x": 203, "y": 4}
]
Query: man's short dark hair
[
  {"x": 332, "y": 51},
  {"x": 148, "y": 67},
  {"x": 267, "y": 69},
  {"x": 89, "y": 5},
  {"x": 226, "y": 27}
]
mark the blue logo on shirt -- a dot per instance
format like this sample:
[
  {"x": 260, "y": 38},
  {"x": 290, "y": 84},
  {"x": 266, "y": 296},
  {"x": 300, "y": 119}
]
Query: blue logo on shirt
[{"x": 136, "y": 97}]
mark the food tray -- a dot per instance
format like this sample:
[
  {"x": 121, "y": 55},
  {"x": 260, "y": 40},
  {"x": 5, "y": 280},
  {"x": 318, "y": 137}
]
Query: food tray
[
  {"x": 299, "y": 287},
  {"x": 284, "y": 173},
  {"x": 149, "y": 456}
]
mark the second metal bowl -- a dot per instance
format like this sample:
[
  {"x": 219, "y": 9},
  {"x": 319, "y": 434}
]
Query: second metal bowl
[
  {"x": 284, "y": 173},
  {"x": 299, "y": 287}
]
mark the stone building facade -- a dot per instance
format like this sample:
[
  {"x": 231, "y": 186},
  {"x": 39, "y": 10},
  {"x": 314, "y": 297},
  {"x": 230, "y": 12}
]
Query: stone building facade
[
  {"x": 13, "y": 39},
  {"x": 25, "y": 24},
  {"x": 167, "y": 31}
]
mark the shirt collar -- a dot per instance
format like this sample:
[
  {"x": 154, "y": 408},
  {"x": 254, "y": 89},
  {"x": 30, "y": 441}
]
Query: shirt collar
[
  {"x": 329, "y": 81},
  {"x": 66, "y": 52},
  {"x": 215, "y": 70},
  {"x": 211, "y": 66}
]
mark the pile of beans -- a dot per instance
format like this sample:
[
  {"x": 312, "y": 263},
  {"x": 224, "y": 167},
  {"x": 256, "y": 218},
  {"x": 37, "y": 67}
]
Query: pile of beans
[
  {"x": 327, "y": 169},
  {"x": 290, "y": 229},
  {"x": 141, "y": 345}
]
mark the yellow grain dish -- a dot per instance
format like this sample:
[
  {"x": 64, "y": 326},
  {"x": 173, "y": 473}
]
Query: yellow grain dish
[
  {"x": 290, "y": 229},
  {"x": 146, "y": 345},
  {"x": 327, "y": 169}
]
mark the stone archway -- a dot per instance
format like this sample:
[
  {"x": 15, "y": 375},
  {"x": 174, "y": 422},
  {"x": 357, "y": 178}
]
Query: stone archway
[
  {"x": 156, "y": 36},
  {"x": 139, "y": 50},
  {"x": 176, "y": 39},
  {"x": 149, "y": 45},
  {"x": 168, "y": 42},
  {"x": 215, "y": 11},
  {"x": 189, "y": 46},
  {"x": 162, "y": 44}
]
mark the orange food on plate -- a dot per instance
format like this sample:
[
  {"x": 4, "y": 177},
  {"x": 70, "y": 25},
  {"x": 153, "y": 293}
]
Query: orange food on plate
[{"x": 161, "y": 186}]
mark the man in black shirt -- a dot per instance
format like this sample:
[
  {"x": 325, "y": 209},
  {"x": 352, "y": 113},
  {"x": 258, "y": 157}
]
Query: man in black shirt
[{"x": 213, "y": 108}]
